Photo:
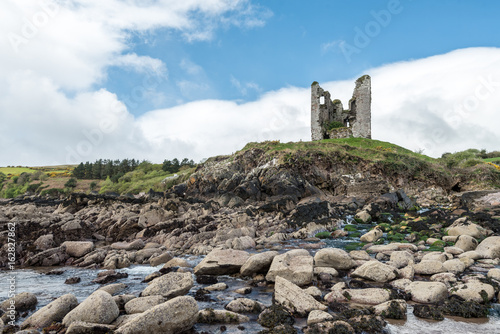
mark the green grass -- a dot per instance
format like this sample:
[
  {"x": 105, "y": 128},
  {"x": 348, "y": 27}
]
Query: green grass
[
  {"x": 494, "y": 160},
  {"x": 16, "y": 170}
]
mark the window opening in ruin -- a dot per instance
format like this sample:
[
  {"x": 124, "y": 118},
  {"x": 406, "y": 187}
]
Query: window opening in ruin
[{"x": 321, "y": 100}]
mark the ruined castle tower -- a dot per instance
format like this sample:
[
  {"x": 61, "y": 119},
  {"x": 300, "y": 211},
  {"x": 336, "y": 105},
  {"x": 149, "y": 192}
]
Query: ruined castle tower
[{"x": 330, "y": 120}]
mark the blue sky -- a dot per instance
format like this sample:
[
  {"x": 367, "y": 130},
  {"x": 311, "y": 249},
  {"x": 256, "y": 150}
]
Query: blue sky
[
  {"x": 89, "y": 79},
  {"x": 297, "y": 45}
]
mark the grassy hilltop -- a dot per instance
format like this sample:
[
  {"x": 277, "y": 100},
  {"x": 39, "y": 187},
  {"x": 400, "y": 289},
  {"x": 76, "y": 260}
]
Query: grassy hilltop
[{"x": 478, "y": 169}]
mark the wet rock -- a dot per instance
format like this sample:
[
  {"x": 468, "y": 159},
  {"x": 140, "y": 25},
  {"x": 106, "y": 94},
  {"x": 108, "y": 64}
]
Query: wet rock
[
  {"x": 430, "y": 267},
  {"x": 109, "y": 276},
  {"x": 50, "y": 257},
  {"x": 113, "y": 289},
  {"x": 244, "y": 291},
  {"x": 474, "y": 291},
  {"x": 327, "y": 327},
  {"x": 142, "y": 304},
  {"x": 370, "y": 296},
  {"x": 174, "y": 316},
  {"x": 45, "y": 242},
  {"x": 294, "y": 298},
  {"x": 454, "y": 266},
  {"x": 80, "y": 327},
  {"x": 466, "y": 243},
  {"x": 275, "y": 315},
  {"x": 317, "y": 316},
  {"x": 78, "y": 248},
  {"x": 428, "y": 312},
  {"x": 176, "y": 262},
  {"x": 169, "y": 285},
  {"x": 241, "y": 243},
  {"x": 222, "y": 262},
  {"x": 401, "y": 258},
  {"x": 206, "y": 279},
  {"x": 211, "y": 316},
  {"x": 295, "y": 266},
  {"x": 428, "y": 292},
  {"x": 334, "y": 258},
  {"x": 473, "y": 255},
  {"x": 434, "y": 256},
  {"x": 489, "y": 248},
  {"x": 375, "y": 271},
  {"x": 363, "y": 217},
  {"x": 72, "y": 280},
  {"x": 53, "y": 312},
  {"x": 314, "y": 291},
  {"x": 23, "y": 301},
  {"x": 128, "y": 246},
  {"x": 395, "y": 246},
  {"x": 446, "y": 278},
  {"x": 258, "y": 263},
  {"x": 457, "y": 306},
  {"x": 393, "y": 309},
  {"x": 163, "y": 258},
  {"x": 407, "y": 272},
  {"x": 372, "y": 235},
  {"x": 99, "y": 308},
  {"x": 116, "y": 261},
  {"x": 217, "y": 287},
  {"x": 245, "y": 305},
  {"x": 332, "y": 272}
]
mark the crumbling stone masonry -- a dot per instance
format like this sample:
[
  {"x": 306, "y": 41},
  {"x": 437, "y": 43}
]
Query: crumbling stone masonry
[{"x": 330, "y": 120}]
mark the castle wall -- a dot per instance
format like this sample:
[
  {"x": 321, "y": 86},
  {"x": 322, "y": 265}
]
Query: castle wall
[
  {"x": 362, "y": 100},
  {"x": 357, "y": 119}
]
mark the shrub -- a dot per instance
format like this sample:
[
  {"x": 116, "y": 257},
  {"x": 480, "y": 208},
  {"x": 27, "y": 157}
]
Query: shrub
[
  {"x": 323, "y": 235},
  {"x": 334, "y": 125},
  {"x": 71, "y": 183}
]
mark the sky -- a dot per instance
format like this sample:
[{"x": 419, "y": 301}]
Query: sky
[{"x": 82, "y": 80}]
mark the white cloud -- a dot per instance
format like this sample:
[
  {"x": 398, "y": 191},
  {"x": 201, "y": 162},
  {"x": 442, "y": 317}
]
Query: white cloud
[{"x": 243, "y": 88}]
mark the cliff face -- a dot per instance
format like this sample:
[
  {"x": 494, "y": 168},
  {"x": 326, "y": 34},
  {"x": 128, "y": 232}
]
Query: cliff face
[{"x": 327, "y": 168}]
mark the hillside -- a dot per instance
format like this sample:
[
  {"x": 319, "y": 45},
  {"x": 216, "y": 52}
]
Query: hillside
[{"x": 354, "y": 166}]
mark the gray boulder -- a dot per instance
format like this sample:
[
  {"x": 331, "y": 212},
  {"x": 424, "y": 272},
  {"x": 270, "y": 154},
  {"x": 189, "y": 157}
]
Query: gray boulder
[
  {"x": 489, "y": 248},
  {"x": 172, "y": 317},
  {"x": 295, "y": 265},
  {"x": 334, "y": 258},
  {"x": 53, "y": 312},
  {"x": 258, "y": 263},
  {"x": 375, "y": 271},
  {"x": 293, "y": 298},
  {"x": 142, "y": 304},
  {"x": 98, "y": 308},
  {"x": 78, "y": 248},
  {"x": 169, "y": 285},
  {"x": 222, "y": 262}
]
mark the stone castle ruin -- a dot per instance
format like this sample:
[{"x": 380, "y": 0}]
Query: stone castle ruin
[{"x": 329, "y": 119}]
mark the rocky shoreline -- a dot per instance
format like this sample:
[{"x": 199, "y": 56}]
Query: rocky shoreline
[{"x": 443, "y": 261}]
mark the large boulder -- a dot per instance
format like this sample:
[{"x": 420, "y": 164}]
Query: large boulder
[
  {"x": 142, "y": 304},
  {"x": 170, "y": 285},
  {"x": 462, "y": 226},
  {"x": 375, "y": 271},
  {"x": 23, "y": 301},
  {"x": 174, "y": 316},
  {"x": 334, "y": 258},
  {"x": 53, "y": 312},
  {"x": 454, "y": 266},
  {"x": 45, "y": 242},
  {"x": 401, "y": 258},
  {"x": 393, "y": 309},
  {"x": 245, "y": 305},
  {"x": 78, "y": 248},
  {"x": 317, "y": 316},
  {"x": 293, "y": 298},
  {"x": 429, "y": 267},
  {"x": 489, "y": 248},
  {"x": 222, "y": 262},
  {"x": 98, "y": 308},
  {"x": 474, "y": 291},
  {"x": 295, "y": 265},
  {"x": 466, "y": 243},
  {"x": 80, "y": 327},
  {"x": 372, "y": 235},
  {"x": 211, "y": 316},
  {"x": 428, "y": 292},
  {"x": 370, "y": 296},
  {"x": 258, "y": 263}
]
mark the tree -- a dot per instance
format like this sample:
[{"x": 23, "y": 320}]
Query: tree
[
  {"x": 93, "y": 185},
  {"x": 176, "y": 165},
  {"x": 79, "y": 171}
]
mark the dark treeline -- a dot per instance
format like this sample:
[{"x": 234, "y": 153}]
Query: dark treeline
[
  {"x": 103, "y": 168},
  {"x": 114, "y": 169},
  {"x": 174, "y": 165}
]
